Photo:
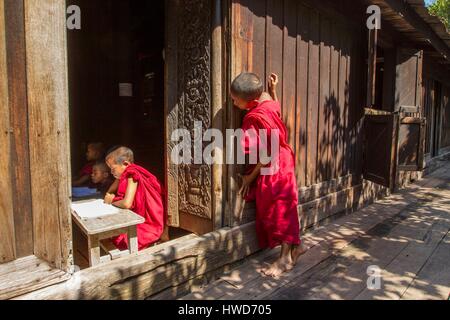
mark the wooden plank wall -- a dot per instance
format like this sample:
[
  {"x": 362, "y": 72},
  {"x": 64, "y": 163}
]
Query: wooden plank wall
[
  {"x": 7, "y": 245},
  {"x": 48, "y": 129},
  {"x": 317, "y": 55}
]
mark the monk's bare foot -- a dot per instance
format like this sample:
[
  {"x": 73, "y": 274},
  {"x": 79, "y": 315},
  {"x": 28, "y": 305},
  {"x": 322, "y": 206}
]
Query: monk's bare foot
[
  {"x": 282, "y": 265},
  {"x": 297, "y": 251}
]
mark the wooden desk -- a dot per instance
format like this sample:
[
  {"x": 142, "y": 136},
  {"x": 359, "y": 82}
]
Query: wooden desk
[{"x": 98, "y": 229}]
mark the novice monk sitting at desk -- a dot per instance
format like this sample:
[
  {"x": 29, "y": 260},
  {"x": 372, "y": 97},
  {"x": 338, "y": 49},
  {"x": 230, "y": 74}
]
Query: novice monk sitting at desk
[
  {"x": 138, "y": 190},
  {"x": 101, "y": 177}
]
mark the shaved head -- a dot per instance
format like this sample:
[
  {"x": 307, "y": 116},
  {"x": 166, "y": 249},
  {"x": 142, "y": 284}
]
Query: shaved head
[
  {"x": 120, "y": 155},
  {"x": 102, "y": 166},
  {"x": 97, "y": 146},
  {"x": 247, "y": 86}
]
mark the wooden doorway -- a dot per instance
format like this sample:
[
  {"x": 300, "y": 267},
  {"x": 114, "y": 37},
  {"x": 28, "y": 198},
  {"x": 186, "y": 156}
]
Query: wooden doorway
[
  {"x": 116, "y": 80},
  {"x": 118, "y": 69},
  {"x": 134, "y": 67}
]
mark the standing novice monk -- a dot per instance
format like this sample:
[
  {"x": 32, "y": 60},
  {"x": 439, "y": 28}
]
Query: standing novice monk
[
  {"x": 276, "y": 195},
  {"x": 139, "y": 191}
]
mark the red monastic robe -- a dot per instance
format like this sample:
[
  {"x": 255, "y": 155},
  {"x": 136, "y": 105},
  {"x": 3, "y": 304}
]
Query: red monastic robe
[
  {"x": 276, "y": 195},
  {"x": 87, "y": 169},
  {"x": 148, "y": 203}
]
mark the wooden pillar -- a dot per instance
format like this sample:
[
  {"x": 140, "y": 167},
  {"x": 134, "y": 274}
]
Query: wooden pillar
[
  {"x": 171, "y": 110},
  {"x": 7, "y": 244},
  {"x": 372, "y": 67},
  {"x": 18, "y": 108},
  {"x": 217, "y": 109},
  {"x": 48, "y": 114}
]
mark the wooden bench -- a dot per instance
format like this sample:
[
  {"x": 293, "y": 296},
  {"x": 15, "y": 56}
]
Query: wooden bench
[{"x": 100, "y": 230}]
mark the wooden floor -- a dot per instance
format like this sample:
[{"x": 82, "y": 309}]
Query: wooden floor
[{"x": 405, "y": 235}]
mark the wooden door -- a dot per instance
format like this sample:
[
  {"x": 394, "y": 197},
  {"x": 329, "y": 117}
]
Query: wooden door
[
  {"x": 411, "y": 144},
  {"x": 188, "y": 100},
  {"x": 408, "y": 85},
  {"x": 380, "y": 148}
]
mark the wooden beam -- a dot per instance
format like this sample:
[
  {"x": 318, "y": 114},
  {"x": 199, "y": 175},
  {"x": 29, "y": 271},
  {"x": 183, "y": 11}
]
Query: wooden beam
[
  {"x": 18, "y": 108},
  {"x": 48, "y": 113},
  {"x": 26, "y": 275},
  {"x": 217, "y": 111},
  {"x": 7, "y": 245},
  {"x": 171, "y": 111},
  {"x": 409, "y": 15},
  {"x": 372, "y": 65}
]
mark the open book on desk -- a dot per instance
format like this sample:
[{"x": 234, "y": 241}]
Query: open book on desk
[{"x": 93, "y": 209}]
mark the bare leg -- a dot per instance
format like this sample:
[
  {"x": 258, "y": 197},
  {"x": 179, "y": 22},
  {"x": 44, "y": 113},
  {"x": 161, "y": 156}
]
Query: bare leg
[
  {"x": 297, "y": 251},
  {"x": 283, "y": 263}
]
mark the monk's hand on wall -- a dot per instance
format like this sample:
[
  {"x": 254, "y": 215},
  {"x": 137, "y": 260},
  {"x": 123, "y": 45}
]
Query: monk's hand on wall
[
  {"x": 273, "y": 82},
  {"x": 245, "y": 188}
]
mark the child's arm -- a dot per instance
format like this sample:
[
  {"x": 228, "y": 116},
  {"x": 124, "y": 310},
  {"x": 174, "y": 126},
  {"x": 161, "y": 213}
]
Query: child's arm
[
  {"x": 247, "y": 180},
  {"x": 273, "y": 82},
  {"x": 110, "y": 194},
  {"x": 113, "y": 188},
  {"x": 81, "y": 181},
  {"x": 128, "y": 200}
]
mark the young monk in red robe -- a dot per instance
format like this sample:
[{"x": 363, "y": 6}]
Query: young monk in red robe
[
  {"x": 276, "y": 194},
  {"x": 139, "y": 191},
  {"x": 94, "y": 152},
  {"x": 101, "y": 178}
]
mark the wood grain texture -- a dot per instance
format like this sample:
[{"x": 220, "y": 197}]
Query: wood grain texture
[
  {"x": 313, "y": 97},
  {"x": 49, "y": 132},
  {"x": 26, "y": 275},
  {"x": 7, "y": 245},
  {"x": 324, "y": 102},
  {"x": 334, "y": 124},
  {"x": 275, "y": 43},
  {"x": 18, "y": 106},
  {"x": 343, "y": 108},
  {"x": 409, "y": 81},
  {"x": 289, "y": 96},
  {"x": 122, "y": 219},
  {"x": 171, "y": 114},
  {"x": 301, "y": 128},
  {"x": 217, "y": 113}
]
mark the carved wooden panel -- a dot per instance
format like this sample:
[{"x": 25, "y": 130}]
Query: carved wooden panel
[
  {"x": 192, "y": 81},
  {"x": 195, "y": 100}
]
